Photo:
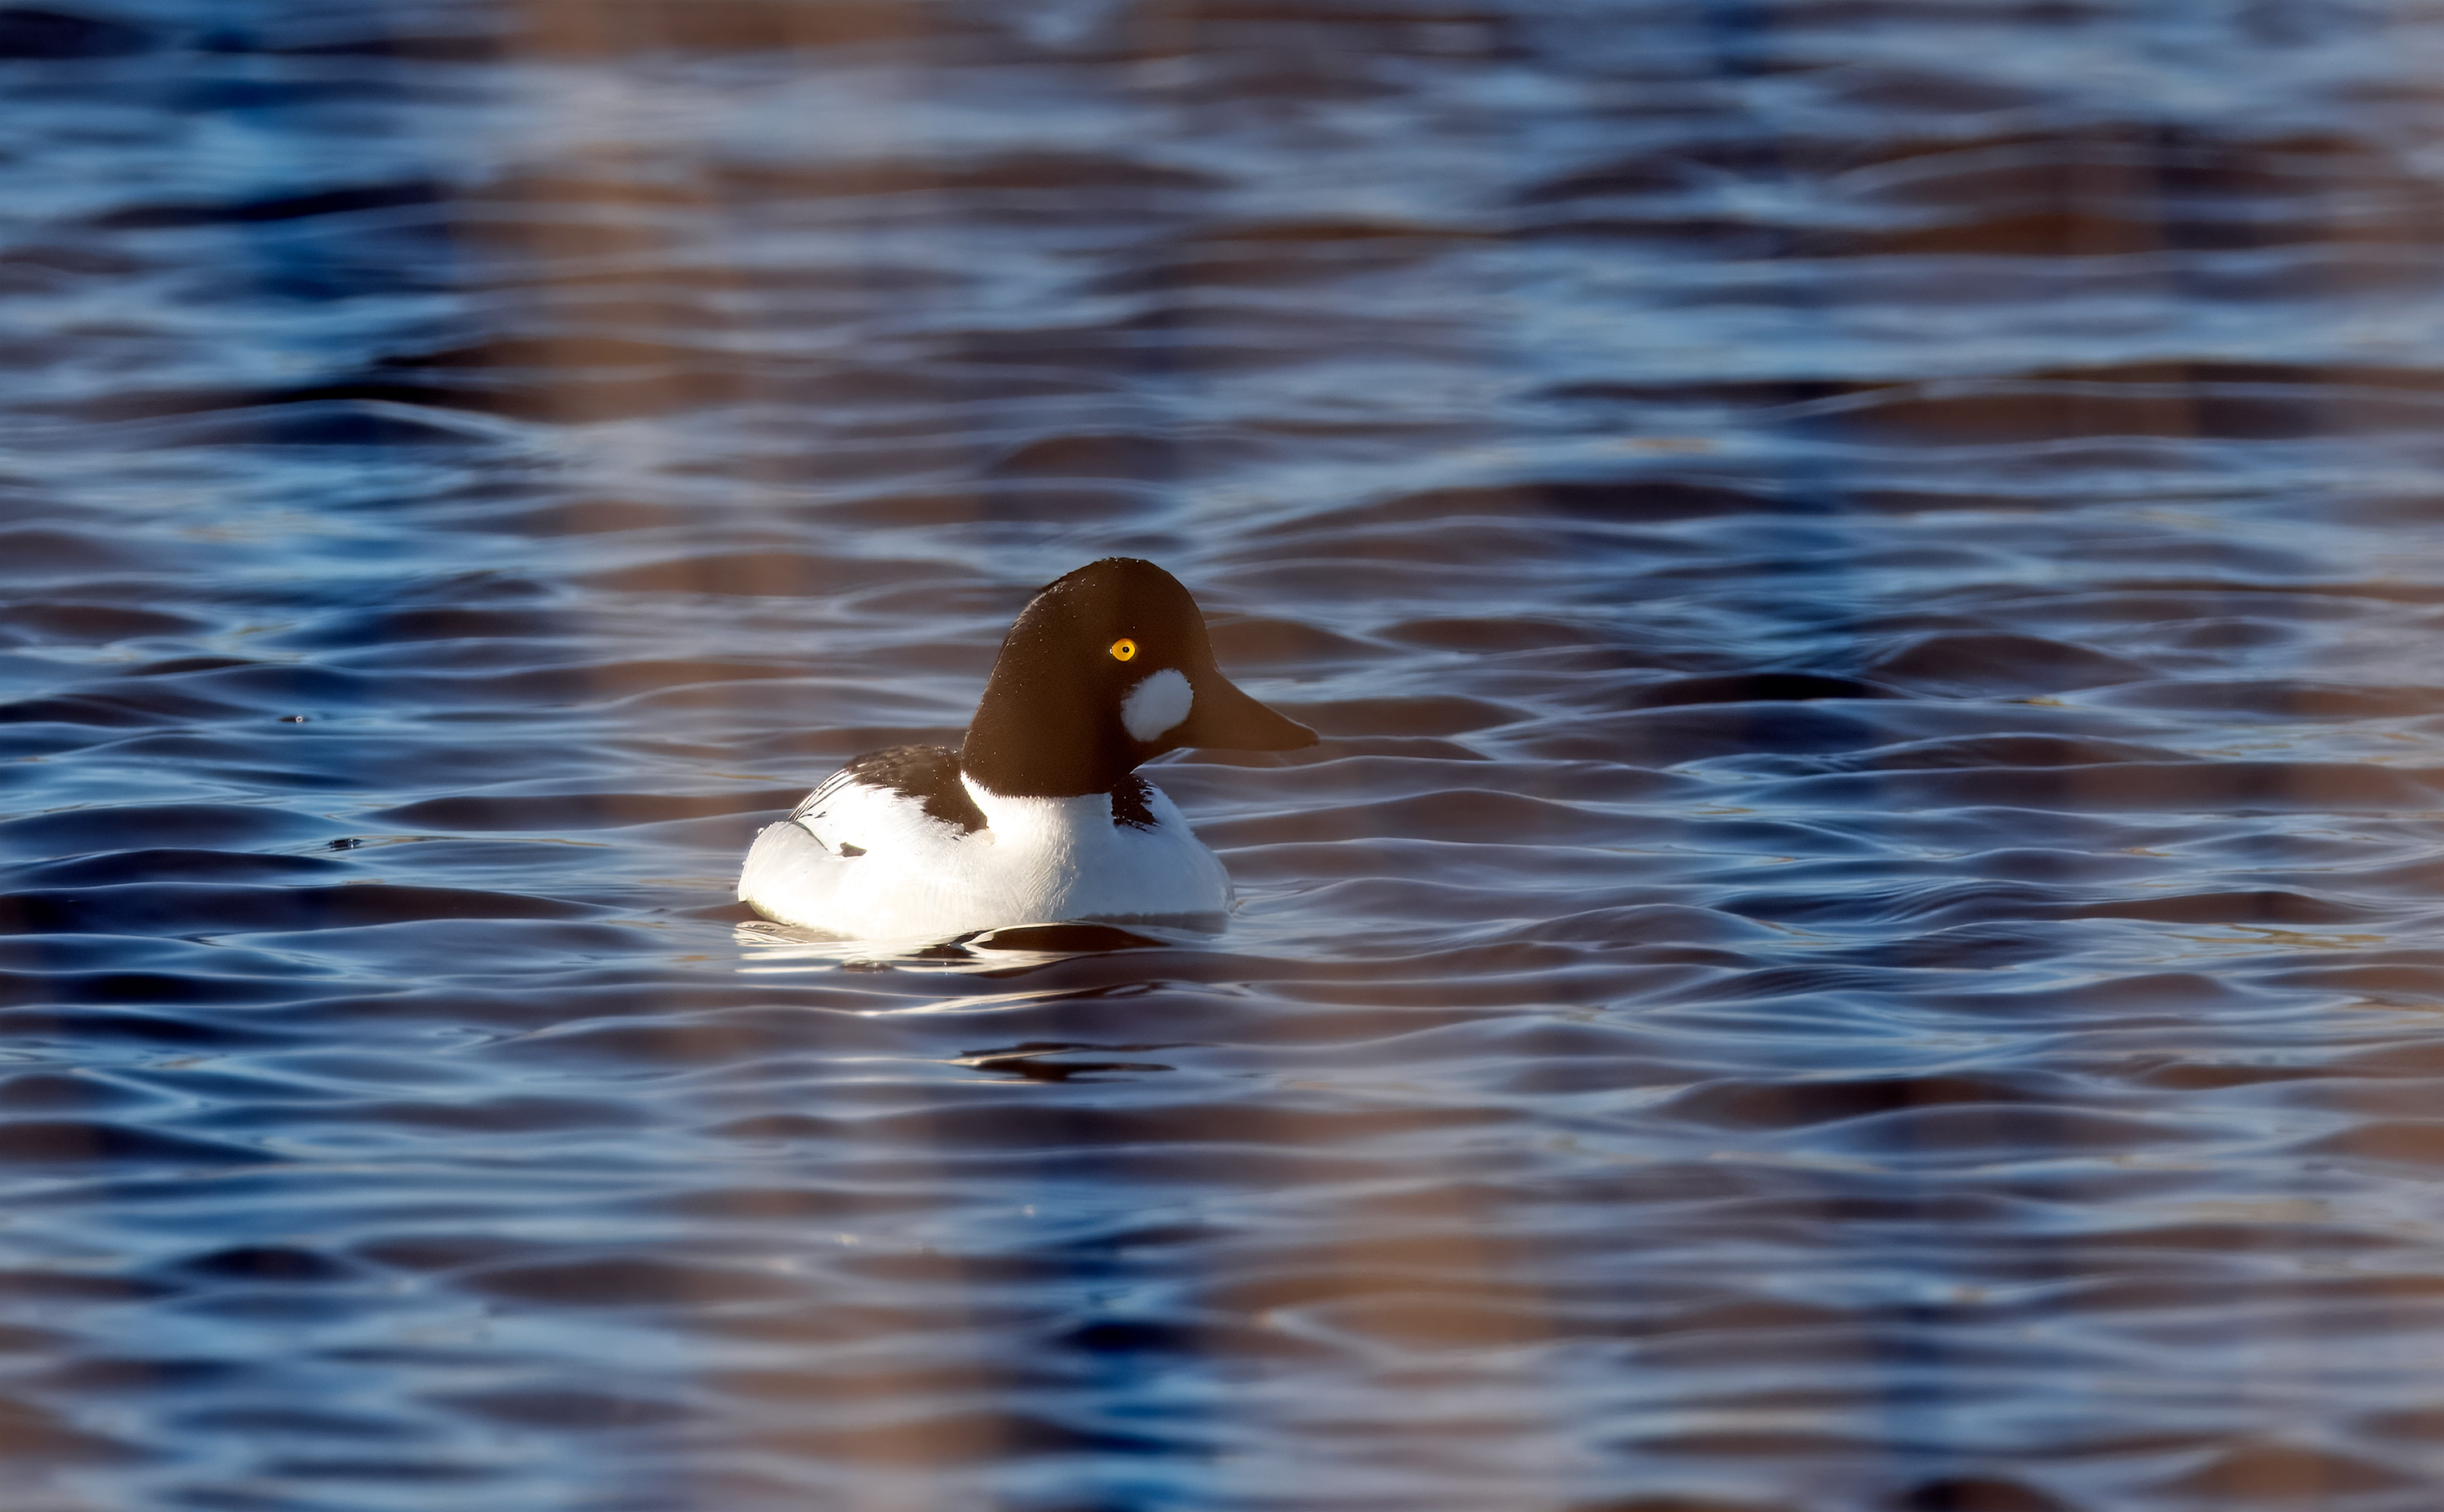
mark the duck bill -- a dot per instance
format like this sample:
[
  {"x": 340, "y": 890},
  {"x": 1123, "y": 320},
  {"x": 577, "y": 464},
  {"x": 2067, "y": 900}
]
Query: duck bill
[{"x": 1223, "y": 718}]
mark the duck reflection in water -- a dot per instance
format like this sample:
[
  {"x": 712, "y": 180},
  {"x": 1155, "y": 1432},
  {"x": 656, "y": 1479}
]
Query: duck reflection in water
[
  {"x": 1039, "y": 816},
  {"x": 1094, "y": 1257}
]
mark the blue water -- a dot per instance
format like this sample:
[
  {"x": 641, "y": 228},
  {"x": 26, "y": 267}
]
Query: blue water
[{"x": 1863, "y": 938}]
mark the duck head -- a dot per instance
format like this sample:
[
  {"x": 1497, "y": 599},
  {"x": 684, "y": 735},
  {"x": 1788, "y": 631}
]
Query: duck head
[{"x": 1108, "y": 667}]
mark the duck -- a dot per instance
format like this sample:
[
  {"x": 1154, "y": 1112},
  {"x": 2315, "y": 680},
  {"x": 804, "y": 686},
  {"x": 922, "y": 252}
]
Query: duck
[{"x": 1039, "y": 816}]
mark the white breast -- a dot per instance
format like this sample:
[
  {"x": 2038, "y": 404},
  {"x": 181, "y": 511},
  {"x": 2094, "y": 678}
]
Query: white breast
[{"x": 1038, "y": 860}]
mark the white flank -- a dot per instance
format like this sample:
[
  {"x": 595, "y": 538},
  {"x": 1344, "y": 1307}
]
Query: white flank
[
  {"x": 1158, "y": 704},
  {"x": 1039, "y": 860}
]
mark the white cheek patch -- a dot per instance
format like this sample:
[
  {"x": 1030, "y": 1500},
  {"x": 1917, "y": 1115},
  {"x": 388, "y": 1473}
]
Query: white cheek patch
[{"x": 1156, "y": 705}]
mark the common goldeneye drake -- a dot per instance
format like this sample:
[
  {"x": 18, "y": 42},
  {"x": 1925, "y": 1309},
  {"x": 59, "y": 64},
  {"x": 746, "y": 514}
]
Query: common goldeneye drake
[{"x": 1040, "y": 817}]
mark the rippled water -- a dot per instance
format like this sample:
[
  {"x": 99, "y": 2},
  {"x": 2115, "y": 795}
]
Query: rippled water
[{"x": 1862, "y": 936}]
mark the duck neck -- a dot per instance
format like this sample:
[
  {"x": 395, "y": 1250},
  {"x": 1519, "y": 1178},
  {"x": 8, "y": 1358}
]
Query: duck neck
[{"x": 1037, "y": 741}]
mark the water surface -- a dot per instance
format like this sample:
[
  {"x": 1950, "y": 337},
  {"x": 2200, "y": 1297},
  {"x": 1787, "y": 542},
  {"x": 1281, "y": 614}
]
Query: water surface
[{"x": 1862, "y": 936}]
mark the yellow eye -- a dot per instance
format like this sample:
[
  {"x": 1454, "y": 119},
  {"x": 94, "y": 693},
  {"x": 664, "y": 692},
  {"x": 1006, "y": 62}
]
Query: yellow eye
[{"x": 1124, "y": 649}]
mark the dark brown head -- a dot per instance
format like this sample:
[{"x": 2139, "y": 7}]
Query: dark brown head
[{"x": 1104, "y": 669}]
